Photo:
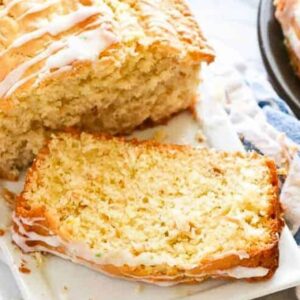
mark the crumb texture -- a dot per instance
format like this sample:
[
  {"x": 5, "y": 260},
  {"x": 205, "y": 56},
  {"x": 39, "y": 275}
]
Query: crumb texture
[{"x": 158, "y": 204}]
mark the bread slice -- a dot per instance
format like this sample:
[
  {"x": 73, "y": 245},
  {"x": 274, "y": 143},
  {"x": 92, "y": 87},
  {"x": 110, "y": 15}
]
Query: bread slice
[
  {"x": 286, "y": 13},
  {"x": 151, "y": 212},
  {"x": 99, "y": 65}
]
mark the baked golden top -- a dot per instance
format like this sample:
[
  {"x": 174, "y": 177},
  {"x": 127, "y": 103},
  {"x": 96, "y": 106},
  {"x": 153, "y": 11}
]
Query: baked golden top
[
  {"x": 151, "y": 204},
  {"x": 42, "y": 38}
]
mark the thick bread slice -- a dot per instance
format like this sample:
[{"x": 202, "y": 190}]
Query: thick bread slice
[
  {"x": 151, "y": 212},
  {"x": 98, "y": 65}
]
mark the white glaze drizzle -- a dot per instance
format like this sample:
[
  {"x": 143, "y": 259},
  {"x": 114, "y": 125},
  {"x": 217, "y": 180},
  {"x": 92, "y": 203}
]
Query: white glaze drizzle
[
  {"x": 74, "y": 249},
  {"x": 101, "y": 21},
  {"x": 61, "y": 70},
  {"x": 57, "y": 26},
  {"x": 238, "y": 272},
  {"x": 86, "y": 46},
  {"x": 37, "y": 8},
  {"x": 8, "y": 7},
  {"x": 241, "y": 254},
  {"x": 153, "y": 280},
  {"x": 52, "y": 241},
  {"x": 156, "y": 17},
  {"x": 14, "y": 76},
  {"x": 20, "y": 83},
  {"x": 78, "y": 252},
  {"x": 31, "y": 221},
  {"x": 244, "y": 272}
]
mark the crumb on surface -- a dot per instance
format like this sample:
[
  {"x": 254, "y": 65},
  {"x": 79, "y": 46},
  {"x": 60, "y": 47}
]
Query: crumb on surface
[
  {"x": 282, "y": 171},
  {"x": 200, "y": 137},
  {"x": 38, "y": 258},
  {"x": 23, "y": 268},
  {"x": 2, "y": 232},
  {"x": 139, "y": 288},
  {"x": 160, "y": 135},
  {"x": 9, "y": 197}
]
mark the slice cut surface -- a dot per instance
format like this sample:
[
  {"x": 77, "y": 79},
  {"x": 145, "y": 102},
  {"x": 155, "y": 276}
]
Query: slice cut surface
[{"x": 157, "y": 209}]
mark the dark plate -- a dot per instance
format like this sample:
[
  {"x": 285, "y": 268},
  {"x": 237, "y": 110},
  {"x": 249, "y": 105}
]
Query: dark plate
[{"x": 275, "y": 56}]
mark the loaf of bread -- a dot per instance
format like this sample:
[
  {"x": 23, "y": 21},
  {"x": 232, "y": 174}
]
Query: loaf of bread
[
  {"x": 105, "y": 66},
  {"x": 158, "y": 213},
  {"x": 287, "y": 15}
]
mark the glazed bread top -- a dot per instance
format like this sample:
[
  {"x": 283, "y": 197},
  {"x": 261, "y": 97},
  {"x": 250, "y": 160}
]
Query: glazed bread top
[
  {"x": 142, "y": 203},
  {"x": 40, "y": 39}
]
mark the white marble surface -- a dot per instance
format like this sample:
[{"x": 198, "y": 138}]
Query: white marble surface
[{"x": 232, "y": 22}]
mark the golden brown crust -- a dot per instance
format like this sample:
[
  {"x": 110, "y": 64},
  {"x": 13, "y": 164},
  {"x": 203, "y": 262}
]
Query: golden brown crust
[
  {"x": 183, "y": 38},
  {"x": 47, "y": 225}
]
